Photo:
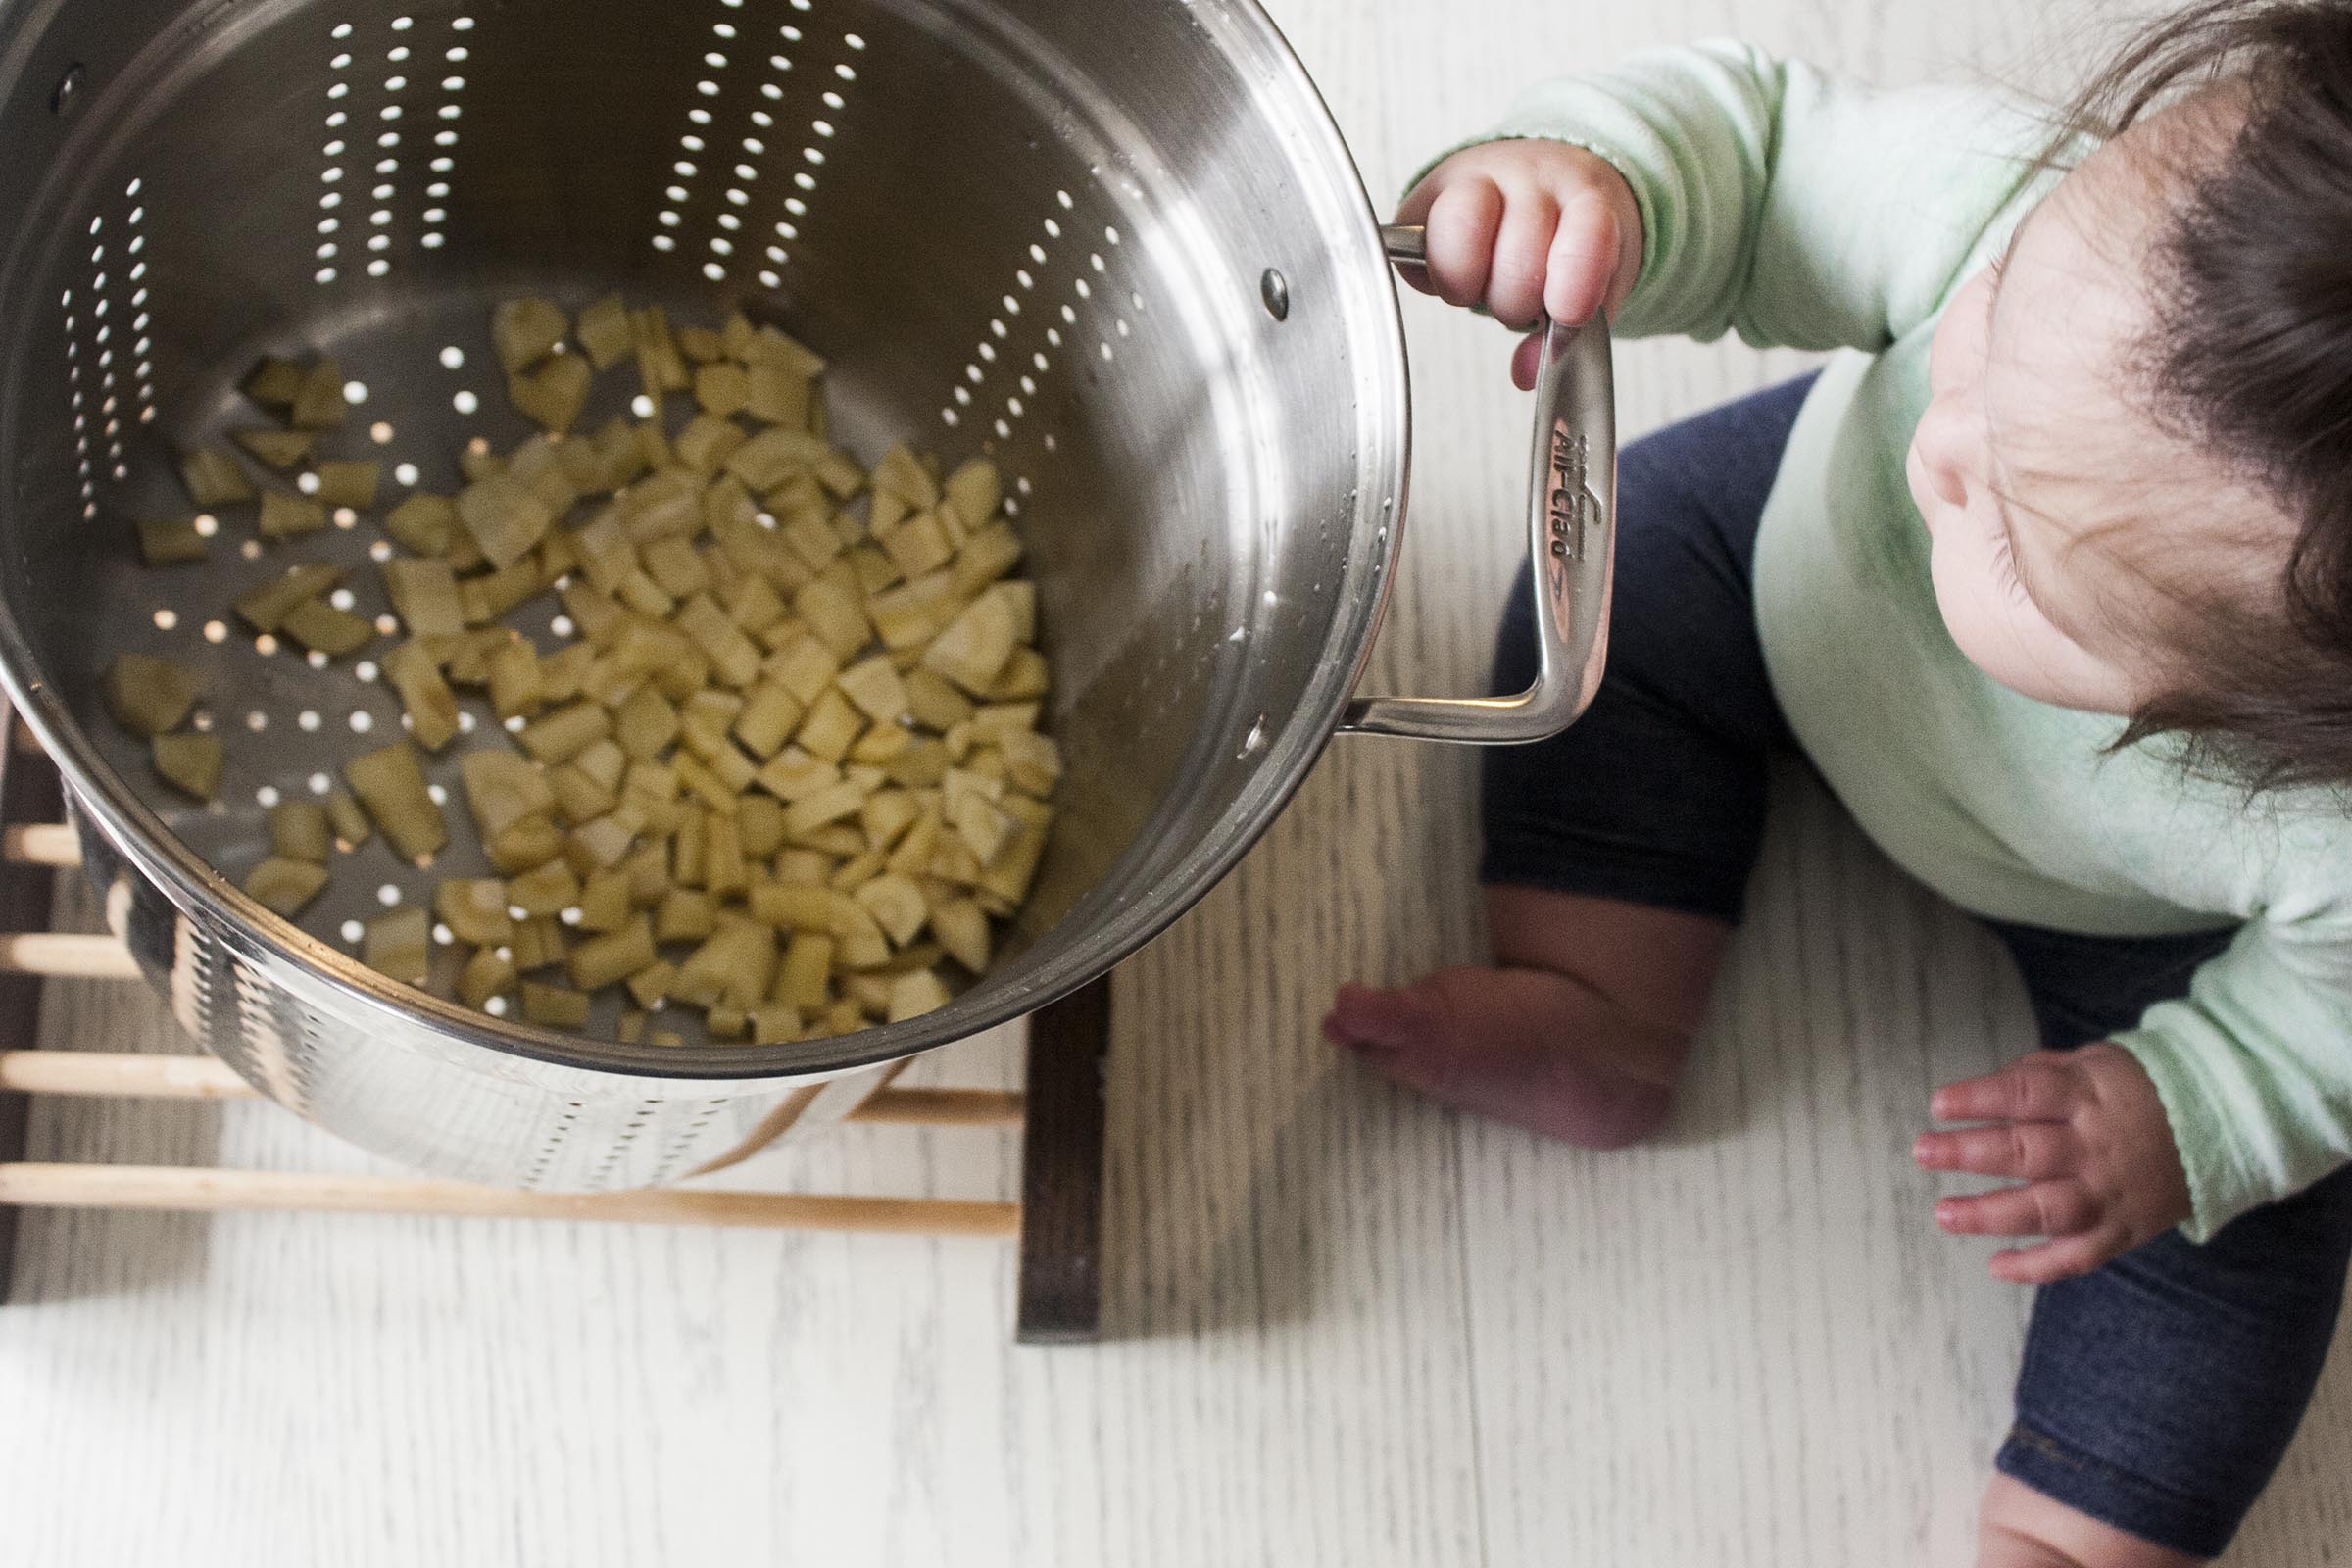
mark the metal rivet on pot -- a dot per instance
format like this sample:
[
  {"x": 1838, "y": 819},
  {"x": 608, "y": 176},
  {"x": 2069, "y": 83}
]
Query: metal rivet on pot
[
  {"x": 68, "y": 94},
  {"x": 1276, "y": 292}
]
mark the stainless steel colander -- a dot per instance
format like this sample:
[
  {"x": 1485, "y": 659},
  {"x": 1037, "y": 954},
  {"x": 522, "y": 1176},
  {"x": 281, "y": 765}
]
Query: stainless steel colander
[{"x": 1118, "y": 248}]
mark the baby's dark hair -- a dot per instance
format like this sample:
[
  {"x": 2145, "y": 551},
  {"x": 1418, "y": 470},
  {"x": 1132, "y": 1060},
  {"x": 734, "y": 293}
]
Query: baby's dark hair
[{"x": 2251, "y": 356}]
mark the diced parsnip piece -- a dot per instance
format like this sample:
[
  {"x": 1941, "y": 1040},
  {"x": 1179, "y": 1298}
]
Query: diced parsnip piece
[
  {"x": 504, "y": 517},
  {"x": 810, "y": 537},
  {"x": 902, "y": 474},
  {"x": 805, "y": 668},
  {"x": 880, "y": 744},
  {"x": 514, "y": 679},
  {"x": 774, "y": 1024},
  {"x": 919, "y": 544},
  {"x": 566, "y": 733},
  {"x": 299, "y": 831},
  {"x": 871, "y": 992},
  {"x": 646, "y": 723},
  {"x": 1026, "y": 677},
  {"x": 769, "y": 346},
  {"x": 190, "y": 763},
  {"x": 526, "y": 331},
  {"x": 673, "y": 563},
  {"x": 834, "y": 803},
  {"x": 734, "y": 658},
  {"x": 831, "y": 728},
  {"x": 348, "y": 484},
  {"x": 351, "y": 825},
  {"x": 562, "y": 671},
  {"x": 844, "y": 1017},
  {"x": 603, "y": 332},
  {"x": 706, "y": 444},
  {"x": 549, "y": 890},
  {"x": 399, "y": 945},
  {"x": 650, "y": 986},
  {"x": 286, "y": 886},
  {"x": 432, "y": 707},
  {"x": 897, "y": 905},
  {"x": 885, "y": 816},
  {"x": 286, "y": 516},
  {"x": 423, "y": 523},
  {"x": 961, "y": 927},
  {"x": 554, "y": 1006},
  {"x": 1020, "y": 600},
  {"x": 794, "y": 907},
  {"x": 913, "y": 995},
  {"x": 716, "y": 793},
  {"x": 776, "y": 396},
  {"x": 333, "y": 632},
  {"x": 475, "y": 908},
  {"x": 725, "y": 873},
  {"x": 935, "y": 704},
  {"x": 735, "y": 966},
  {"x": 802, "y": 868},
  {"x": 607, "y": 841},
  {"x": 986, "y": 557},
  {"x": 981, "y": 823},
  {"x": 876, "y": 571},
  {"x": 835, "y": 616},
  {"x": 276, "y": 449},
  {"x": 424, "y": 595},
  {"x": 614, "y": 955},
  {"x": 767, "y": 461},
  {"x": 537, "y": 943},
  {"x": 685, "y": 914},
  {"x": 759, "y": 823},
  {"x": 320, "y": 405},
  {"x": 975, "y": 648},
  {"x": 857, "y": 941},
  {"x": 974, "y": 491},
  {"x": 916, "y": 850},
  {"x": 721, "y": 388},
  {"x": 1033, "y": 762},
  {"x": 390, "y": 784},
  {"x": 605, "y": 762},
  {"x": 552, "y": 396},
  {"x": 804, "y": 980},
  {"x": 171, "y": 542},
  {"x": 214, "y": 478},
  {"x": 273, "y": 383},
  {"x": 920, "y": 765},
  {"x": 502, "y": 789},
  {"x": 857, "y": 871},
  {"x": 523, "y": 844},
  {"x": 486, "y": 974},
  {"x": 769, "y": 716},
  {"x": 701, "y": 344},
  {"x": 150, "y": 696},
  {"x": 1008, "y": 876},
  {"x": 875, "y": 687}
]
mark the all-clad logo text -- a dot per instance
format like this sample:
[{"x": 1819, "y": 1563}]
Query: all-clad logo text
[{"x": 1565, "y": 500}]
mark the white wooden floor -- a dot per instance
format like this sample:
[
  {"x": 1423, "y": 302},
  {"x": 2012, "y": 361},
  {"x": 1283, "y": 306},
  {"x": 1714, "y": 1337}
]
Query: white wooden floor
[{"x": 1347, "y": 1329}]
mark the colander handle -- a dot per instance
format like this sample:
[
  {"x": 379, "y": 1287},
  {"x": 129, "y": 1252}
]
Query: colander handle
[{"x": 1572, "y": 534}]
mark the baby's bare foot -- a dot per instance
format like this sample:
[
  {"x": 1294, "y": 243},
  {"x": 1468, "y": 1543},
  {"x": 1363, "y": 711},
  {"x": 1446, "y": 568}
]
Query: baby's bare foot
[{"x": 1523, "y": 1045}]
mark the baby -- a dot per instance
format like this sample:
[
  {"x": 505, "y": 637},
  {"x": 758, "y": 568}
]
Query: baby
[{"x": 2050, "y": 577}]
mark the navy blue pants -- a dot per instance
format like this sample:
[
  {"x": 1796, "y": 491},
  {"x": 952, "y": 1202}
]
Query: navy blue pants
[{"x": 2159, "y": 1392}]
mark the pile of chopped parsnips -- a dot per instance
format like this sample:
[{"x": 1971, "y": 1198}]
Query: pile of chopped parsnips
[{"x": 787, "y": 773}]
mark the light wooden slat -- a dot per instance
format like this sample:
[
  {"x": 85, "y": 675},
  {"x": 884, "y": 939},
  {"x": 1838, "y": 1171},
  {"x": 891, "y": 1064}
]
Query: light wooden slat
[
  {"x": 183, "y": 1188},
  {"x": 67, "y": 955},
  {"x": 151, "y": 1076},
  {"x": 53, "y": 844}
]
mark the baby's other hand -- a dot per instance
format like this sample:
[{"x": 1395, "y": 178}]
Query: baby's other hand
[
  {"x": 1527, "y": 228},
  {"x": 2085, "y": 1136}
]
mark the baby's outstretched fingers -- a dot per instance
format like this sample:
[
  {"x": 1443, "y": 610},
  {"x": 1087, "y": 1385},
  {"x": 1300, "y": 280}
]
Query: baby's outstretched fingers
[
  {"x": 2027, "y": 1150},
  {"x": 2062, "y": 1259},
  {"x": 2062, "y": 1208},
  {"x": 2042, "y": 1087}
]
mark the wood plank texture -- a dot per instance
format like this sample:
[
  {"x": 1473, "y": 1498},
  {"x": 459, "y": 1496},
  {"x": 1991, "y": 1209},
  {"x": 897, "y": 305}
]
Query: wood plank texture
[{"x": 1340, "y": 1328}]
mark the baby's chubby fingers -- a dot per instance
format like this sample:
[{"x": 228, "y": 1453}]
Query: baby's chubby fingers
[
  {"x": 2048, "y": 1262},
  {"x": 2037, "y": 1088},
  {"x": 2038, "y": 1209},
  {"x": 2027, "y": 1150},
  {"x": 1461, "y": 227}
]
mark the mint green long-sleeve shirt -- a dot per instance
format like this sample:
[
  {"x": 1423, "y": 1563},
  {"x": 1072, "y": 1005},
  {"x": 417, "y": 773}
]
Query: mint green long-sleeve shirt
[{"x": 1798, "y": 210}]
